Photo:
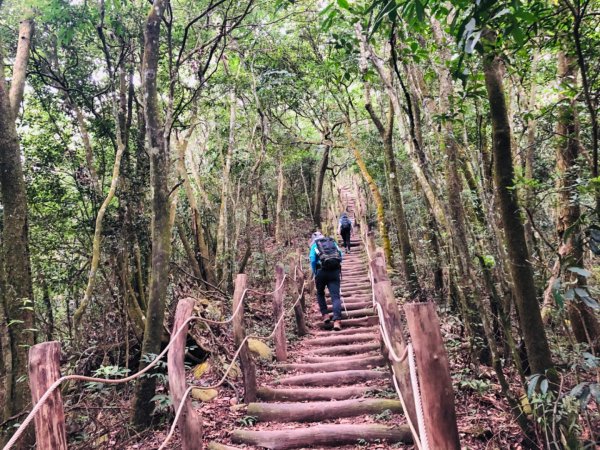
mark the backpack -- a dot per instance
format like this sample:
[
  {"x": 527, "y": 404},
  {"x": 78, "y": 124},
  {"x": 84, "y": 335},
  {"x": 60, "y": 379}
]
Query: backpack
[
  {"x": 345, "y": 224},
  {"x": 328, "y": 253}
]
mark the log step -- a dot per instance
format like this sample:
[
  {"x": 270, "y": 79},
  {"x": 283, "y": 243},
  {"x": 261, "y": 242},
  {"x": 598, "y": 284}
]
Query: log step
[
  {"x": 319, "y": 411},
  {"x": 216, "y": 446},
  {"x": 311, "y": 394},
  {"x": 374, "y": 330},
  {"x": 347, "y": 349},
  {"x": 368, "y": 321},
  {"x": 352, "y": 306},
  {"x": 342, "y": 339},
  {"x": 320, "y": 359},
  {"x": 353, "y": 314},
  {"x": 335, "y": 366},
  {"x": 332, "y": 378},
  {"x": 323, "y": 435}
]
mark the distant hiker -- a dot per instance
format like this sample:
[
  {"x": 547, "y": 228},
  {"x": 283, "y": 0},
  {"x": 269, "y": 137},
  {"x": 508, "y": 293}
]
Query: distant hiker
[
  {"x": 326, "y": 263},
  {"x": 345, "y": 230}
]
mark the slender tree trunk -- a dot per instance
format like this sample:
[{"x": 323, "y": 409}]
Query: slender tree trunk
[
  {"x": 222, "y": 256},
  {"x": 205, "y": 262},
  {"x": 528, "y": 308},
  {"x": 279, "y": 237},
  {"x": 18, "y": 289},
  {"x": 320, "y": 179},
  {"x": 387, "y": 133},
  {"x": 161, "y": 232}
]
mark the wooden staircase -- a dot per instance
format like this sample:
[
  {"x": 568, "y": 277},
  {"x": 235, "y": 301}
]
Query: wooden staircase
[{"x": 338, "y": 383}]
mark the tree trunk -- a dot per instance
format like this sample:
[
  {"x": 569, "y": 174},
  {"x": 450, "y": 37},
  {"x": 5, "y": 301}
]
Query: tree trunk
[
  {"x": 387, "y": 133},
  {"x": 318, "y": 199},
  {"x": 161, "y": 233},
  {"x": 279, "y": 208},
  {"x": 584, "y": 323},
  {"x": 524, "y": 288},
  {"x": 18, "y": 292},
  {"x": 222, "y": 256}
]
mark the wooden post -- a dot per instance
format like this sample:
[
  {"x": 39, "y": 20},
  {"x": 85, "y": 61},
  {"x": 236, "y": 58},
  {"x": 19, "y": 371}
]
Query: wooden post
[
  {"x": 434, "y": 376},
  {"x": 280, "y": 342},
  {"x": 297, "y": 284},
  {"x": 370, "y": 238},
  {"x": 302, "y": 279},
  {"x": 190, "y": 423},
  {"x": 44, "y": 370},
  {"x": 384, "y": 296},
  {"x": 239, "y": 334}
]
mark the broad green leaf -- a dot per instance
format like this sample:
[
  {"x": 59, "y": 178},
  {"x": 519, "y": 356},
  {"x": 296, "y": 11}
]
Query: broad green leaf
[{"x": 580, "y": 271}]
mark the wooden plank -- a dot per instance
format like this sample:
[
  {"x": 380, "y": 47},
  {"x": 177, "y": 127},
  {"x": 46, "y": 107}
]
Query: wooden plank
[
  {"x": 434, "y": 376},
  {"x": 368, "y": 362},
  {"x": 190, "y": 423},
  {"x": 239, "y": 334},
  {"x": 44, "y": 370},
  {"x": 278, "y": 310}
]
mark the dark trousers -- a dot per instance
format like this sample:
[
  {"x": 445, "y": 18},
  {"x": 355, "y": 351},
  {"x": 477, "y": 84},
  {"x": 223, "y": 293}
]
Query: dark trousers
[
  {"x": 331, "y": 279},
  {"x": 346, "y": 237}
]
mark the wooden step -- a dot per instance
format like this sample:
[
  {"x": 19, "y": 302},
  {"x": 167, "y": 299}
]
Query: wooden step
[
  {"x": 319, "y": 411},
  {"x": 216, "y": 446},
  {"x": 342, "y": 339},
  {"x": 339, "y": 350},
  {"x": 360, "y": 322},
  {"x": 332, "y": 358},
  {"x": 369, "y": 362},
  {"x": 372, "y": 329},
  {"x": 334, "y": 435},
  {"x": 310, "y": 394},
  {"x": 332, "y": 378},
  {"x": 351, "y": 306}
]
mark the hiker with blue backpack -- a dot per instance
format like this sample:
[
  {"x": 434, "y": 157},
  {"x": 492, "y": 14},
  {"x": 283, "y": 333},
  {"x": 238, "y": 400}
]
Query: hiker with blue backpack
[
  {"x": 345, "y": 230},
  {"x": 326, "y": 263}
]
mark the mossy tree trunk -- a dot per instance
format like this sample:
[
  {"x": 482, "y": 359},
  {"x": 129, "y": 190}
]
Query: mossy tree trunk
[
  {"x": 17, "y": 287},
  {"x": 161, "y": 231},
  {"x": 526, "y": 300}
]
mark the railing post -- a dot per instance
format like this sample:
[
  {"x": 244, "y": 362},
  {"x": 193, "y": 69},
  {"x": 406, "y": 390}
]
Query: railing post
[
  {"x": 384, "y": 296},
  {"x": 298, "y": 283},
  {"x": 280, "y": 341},
  {"x": 44, "y": 370},
  {"x": 303, "y": 279},
  {"x": 239, "y": 334},
  {"x": 190, "y": 423},
  {"x": 434, "y": 376}
]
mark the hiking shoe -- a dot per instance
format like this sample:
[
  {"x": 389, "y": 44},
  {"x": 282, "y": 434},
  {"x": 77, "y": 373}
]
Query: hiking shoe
[
  {"x": 337, "y": 325},
  {"x": 326, "y": 318}
]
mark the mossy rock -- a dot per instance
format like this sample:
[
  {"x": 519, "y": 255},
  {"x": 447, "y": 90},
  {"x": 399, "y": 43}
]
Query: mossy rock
[
  {"x": 260, "y": 349},
  {"x": 204, "y": 395}
]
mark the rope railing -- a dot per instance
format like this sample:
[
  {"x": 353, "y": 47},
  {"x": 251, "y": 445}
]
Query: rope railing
[
  {"x": 15, "y": 437},
  {"x": 224, "y": 377},
  {"x": 420, "y": 437}
]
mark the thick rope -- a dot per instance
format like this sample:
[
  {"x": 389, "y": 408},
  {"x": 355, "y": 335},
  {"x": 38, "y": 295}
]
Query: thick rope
[
  {"x": 414, "y": 381},
  {"x": 15, "y": 437},
  {"x": 224, "y": 377}
]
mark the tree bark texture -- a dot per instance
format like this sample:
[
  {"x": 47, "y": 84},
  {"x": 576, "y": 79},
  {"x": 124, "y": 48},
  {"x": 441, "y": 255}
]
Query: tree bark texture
[
  {"x": 524, "y": 288},
  {"x": 18, "y": 292},
  {"x": 161, "y": 232}
]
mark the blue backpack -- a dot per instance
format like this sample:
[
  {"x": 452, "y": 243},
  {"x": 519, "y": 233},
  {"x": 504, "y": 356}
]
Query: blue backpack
[{"x": 328, "y": 253}]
